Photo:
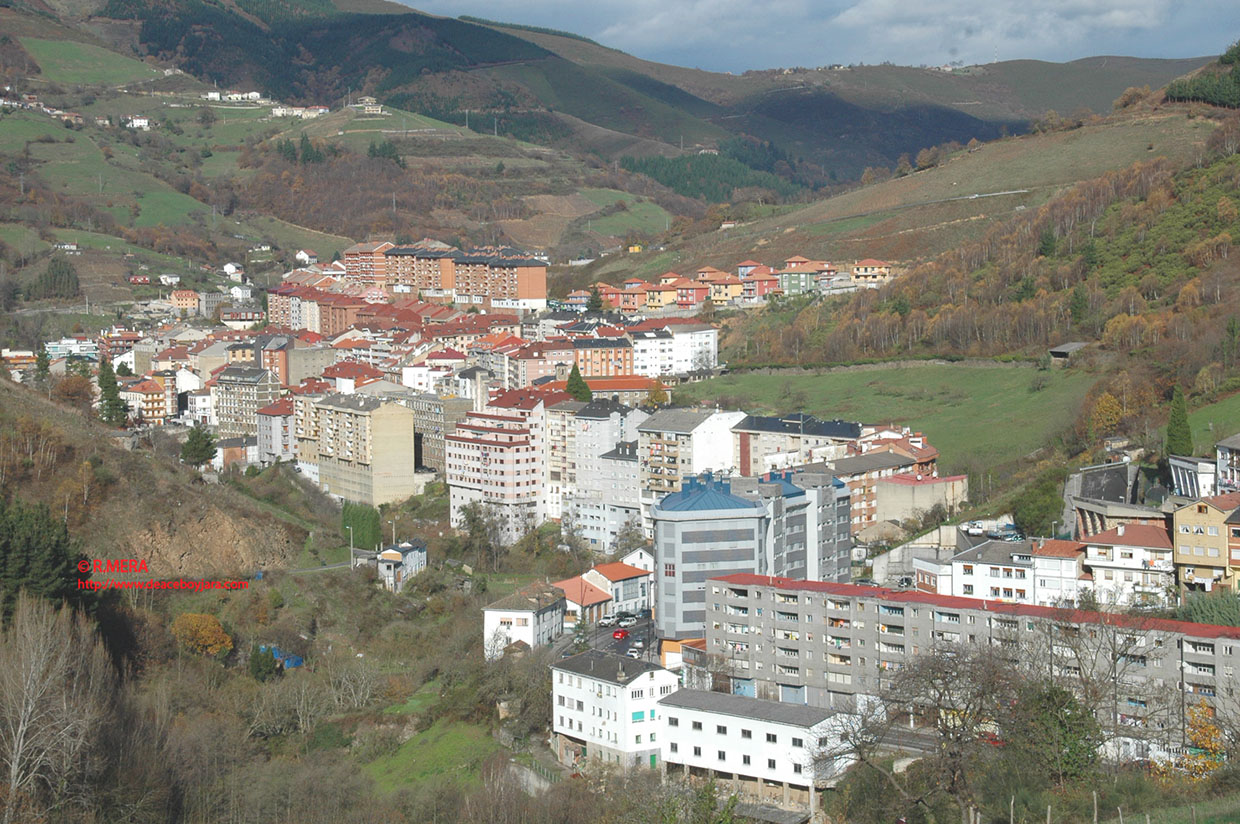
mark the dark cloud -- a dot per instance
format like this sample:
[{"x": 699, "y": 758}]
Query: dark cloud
[{"x": 735, "y": 35}]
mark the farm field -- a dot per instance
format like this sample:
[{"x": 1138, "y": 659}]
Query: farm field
[
  {"x": 967, "y": 412},
  {"x": 1213, "y": 422},
  {"x": 81, "y": 63}
]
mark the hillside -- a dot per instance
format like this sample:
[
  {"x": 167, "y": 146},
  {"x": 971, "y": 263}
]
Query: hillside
[
  {"x": 138, "y": 504},
  {"x": 832, "y": 122}
]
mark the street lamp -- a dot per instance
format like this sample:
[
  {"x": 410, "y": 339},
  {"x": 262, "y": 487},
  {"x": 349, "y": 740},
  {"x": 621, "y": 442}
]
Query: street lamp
[
  {"x": 395, "y": 518},
  {"x": 346, "y": 526}
]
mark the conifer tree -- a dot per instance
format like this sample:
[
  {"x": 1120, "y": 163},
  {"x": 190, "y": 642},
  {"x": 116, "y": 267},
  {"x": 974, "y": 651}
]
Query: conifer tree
[
  {"x": 595, "y": 302},
  {"x": 577, "y": 386},
  {"x": 199, "y": 447},
  {"x": 1179, "y": 433},
  {"x": 112, "y": 410}
]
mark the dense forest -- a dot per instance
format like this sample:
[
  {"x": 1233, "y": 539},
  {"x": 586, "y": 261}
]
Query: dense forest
[
  {"x": 713, "y": 177},
  {"x": 1216, "y": 85}
]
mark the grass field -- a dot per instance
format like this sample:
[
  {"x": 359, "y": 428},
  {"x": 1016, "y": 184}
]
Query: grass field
[
  {"x": 22, "y": 239},
  {"x": 1214, "y": 422},
  {"x": 974, "y": 415},
  {"x": 82, "y": 64},
  {"x": 447, "y": 747},
  {"x": 1224, "y": 810},
  {"x": 642, "y": 216}
]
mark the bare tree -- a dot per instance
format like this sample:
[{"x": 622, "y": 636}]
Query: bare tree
[{"x": 55, "y": 687}]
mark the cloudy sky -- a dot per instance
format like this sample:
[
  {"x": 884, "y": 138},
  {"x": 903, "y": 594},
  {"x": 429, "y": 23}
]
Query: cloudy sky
[{"x": 735, "y": 35}]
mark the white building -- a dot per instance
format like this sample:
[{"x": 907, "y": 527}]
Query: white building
[
  {"x": 496, "y": 461},
  {"x": 1227, "y": 461},
  {"x": 994, "y": 570},
  {"x": 1193, "y": 477},
  {"x": 653, "y": 353},
  {"x": 72, "y": 348},
  {"x": 607, "y": 496},
  {"x": 695, "y": 346},
  {"x": 675, "y": 443},
  {"x": 1059, "y": 575},
  {"x": 169, "y": 280},
  {"x": 397, "y": 563},
  {"x": 631, "y": 589},
  {"x": 772, "y": 751},
  {"x": 1131, "y": 564},
  {"x": 605, "y": 707},
  {"x": 533, "y": 615}
]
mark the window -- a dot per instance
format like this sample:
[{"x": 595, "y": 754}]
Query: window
[
  {"x": 697, "y": 725},
  {"x": 720, "y": 729},
  {"x": 672, "y": 721},
  {"x": 637, "y": 739},
  {"x": 796, "y": 768},
  {"x": 697, "y": 751},
  {"x": 746, "y": 734},
  {"x": 968, "y": 589},
  {"x": 675, "y": 747},
  {"x": 639, "y": 715},
  {"x": 721, "y": 755},
  {"x": 745, "y": 760},
  {"x": 797, "y": 742},
  {"x": 770, "y": 763},
  {"x": 968, "y": 569},
  {"x": 669, "y": 570},
  {"x": 770, "y": 738}
]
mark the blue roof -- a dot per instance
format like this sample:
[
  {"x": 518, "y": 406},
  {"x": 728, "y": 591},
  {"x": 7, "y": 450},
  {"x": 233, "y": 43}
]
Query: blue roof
[
  {"x": 787, "y": 488},
  {"x": 698, "y": 495}
]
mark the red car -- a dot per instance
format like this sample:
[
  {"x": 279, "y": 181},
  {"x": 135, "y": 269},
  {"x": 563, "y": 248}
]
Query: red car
[{"x": 620, "y": 634}]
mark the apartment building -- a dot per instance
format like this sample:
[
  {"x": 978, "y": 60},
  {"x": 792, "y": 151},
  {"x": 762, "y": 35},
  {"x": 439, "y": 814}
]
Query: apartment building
[
  {"x": 762, "y": 443},
  {"x": 426, "y": 269},
  {"x": 366, "y": 263},
  {"x": 695, "y": 347},
  {"x": 1200, "y": 534},
  {"x": 1227, "y": 464},
  {"x": 433, "y": 418},
  {"x": 652, "y": 353},
  {"x": 146, "y": 401},
  {"x": 561, "y": 454},
  {"x": 238, "y": 394},
  {"x": 501, "y": 279},
  {"x": 532, "y": 616},
  {"x": 365, "y": 449},
  {"x": 276, "y": 438},
  {"x": 607, "y": 496},
  {"x": 603, "y": 357},
  {"x": 861, "y": 473},
  {"x": 764, "y": 751},
  {"x": 497, "y": 461},
  {"x": 1132, "y": 564},
  {"x": 808, "y": 530},
  {"x": 605, "y": 708},
  {"x": 676, "y": 443},
  {"x": 822, "y": 644}
]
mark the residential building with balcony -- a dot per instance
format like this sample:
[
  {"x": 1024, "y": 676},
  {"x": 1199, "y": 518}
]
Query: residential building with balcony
[
  {"x": 1227, "y": 464},
  {"x": 1132, "y": 564},
  {"x": 365, "y": 449},
  {"x": 762, "y": 443},
  {"x": 433, "y": 418},
  {"x": 239, "y": 392},
  {"x": 498, "y": 462},
  {"x": 276, "y": 438},
  {"x": 607, "y": 496},
  {"x": 675, "y": 443},
  {"x": 1200, "y": 534}
]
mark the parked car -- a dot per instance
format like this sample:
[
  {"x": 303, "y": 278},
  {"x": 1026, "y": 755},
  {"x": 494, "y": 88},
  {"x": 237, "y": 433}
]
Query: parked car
[
  {"x": 639, "y": 644},
  {"x": 620, "y": 634},
  {"x": 632, "y": 653},
  {"x": 630, "y": 621},
  {"x": 607, "y": 621}
]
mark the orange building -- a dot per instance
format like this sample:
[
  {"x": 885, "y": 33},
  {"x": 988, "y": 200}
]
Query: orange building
[{"x": 365, "y": 263}]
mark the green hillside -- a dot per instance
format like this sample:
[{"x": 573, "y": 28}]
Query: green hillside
[{"x": 74, "y": 63}]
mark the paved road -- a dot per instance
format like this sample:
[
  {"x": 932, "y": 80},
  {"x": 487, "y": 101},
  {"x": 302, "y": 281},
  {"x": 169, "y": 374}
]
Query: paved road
[
  {"x": 341, "y": 565},
  {"x": 601, "y": 638}
]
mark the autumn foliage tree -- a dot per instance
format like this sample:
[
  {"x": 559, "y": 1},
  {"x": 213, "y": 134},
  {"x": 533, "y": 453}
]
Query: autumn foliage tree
[{"x": 202, "y": 634}]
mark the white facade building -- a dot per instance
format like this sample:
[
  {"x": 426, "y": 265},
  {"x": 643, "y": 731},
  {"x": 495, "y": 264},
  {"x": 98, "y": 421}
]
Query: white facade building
[
  {"x": 695, "y": 346},
  {"x": 1193, "y": 477},
  {"x": 631, "y": 589},
  {"x": 1132, "y": 564},
  {"x": 533, "y": 615},
  {"x": 397, "y": 563},
  {"x": 1227, "y": 461},
  {"x": 774, "y": 751},
  {"x": 653, "y": 354},
  {"x": 496, "y": 461},
  {"x": 605, "y": 707}
]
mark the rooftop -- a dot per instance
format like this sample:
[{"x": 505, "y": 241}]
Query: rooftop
[
  {"x": 1146, "y": 535},
  {"x": 580, "y": 591},
  {"x": 776, "y": 712},
  {"x": 531, "y": 598},
  {"x": 606, "y": 666},
  {"x": 705, "y": 495},
  {"x": 800, "y": 424},
  {"x": 680, "y": 421},
  {"x": 619, "y": 572}
]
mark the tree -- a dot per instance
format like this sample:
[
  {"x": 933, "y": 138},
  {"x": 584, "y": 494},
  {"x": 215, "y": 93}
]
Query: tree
[
  {"x": 42, "y": 366},
  {"x": 595, "y": 302},
  {"x": 56, "y": 684},
  {"x": 201, "y": 633},
  {"x": 124, "y": 371},
  {"x": 59, "y": 280},
  {"x": 577, "y": 386},
  {"x": 206, "y": 116},
  {"x": 1106, "y": 414},
  {"x": 1049, "y": 730},
  {"x": 1179, "y": 433},
  {"x": 112, "y": 410},
  {"x": 263, "y": 665},
  {"x": 1047, "y": 243},
  {"x": 366, "y": 523},
  {"x": 36, "y": 555},
  {"x": 628, "y": 538},
  {"x": 1041, "y": 503},
  {"x": 657, "y": 396},
  {"x": 199, "y": 447},
  {"x": 76, "y": 391},
  {"x": 1078, "y": 305}
]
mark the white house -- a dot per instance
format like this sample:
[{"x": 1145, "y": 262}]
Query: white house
[
  {"x": 1193, "y": 477},
  {"x": 640, "y": 558},
  {"x": 605, "y": 707},
  {"x": 695, "y": 346},
  {"x": 1131, "y": 564},
  {"x": 533, "y": 615},
  {"x": 773, "y": 751},
  {"x": 631, "y": 589},
  {"x": 306, "y": 257},
  {"x": 169, "y": 280},
  {"x": 397, "y": 563},
  {"x": 241, "y": 292},
  {"x": 1227, "y": 461},
  {"x": 1058, "y": 572},
  {"x": 994, "y": 570}
]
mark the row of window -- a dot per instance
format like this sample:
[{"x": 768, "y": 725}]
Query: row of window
[{"x": 722, "y": 755}]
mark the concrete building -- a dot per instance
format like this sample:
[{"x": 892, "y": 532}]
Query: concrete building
[
  {"x": 1200, "y": 535},
  {"x": 433, "y": 418},
  {"x": 652, "y": 353},
  {"x": 1132, "y": 564},
  {"x": 239, "y": 392},
  {"x": 1193, "y": 477},
  {"x": 607, "y": 496},
  {"x": 695, "y": 347},
  {"x": 909, "y": 496},
  {"x": 605, "y": 708},
  {"x": 276, "y": 439},
  {"x": 808, "y": 530},
  {"x": 364, "y": 449},
  {"x": 764, "y": 751},
  {"x": 583, "y": 601},
  {"x": 497, "y": 461},
  {"x": 1227, "y": 464},
  {"x": 533, "y": 616},
  {"x": 561, "y": 454},
  {"x": 761, "y": 443},
  {"x": 678, "y": 443}
]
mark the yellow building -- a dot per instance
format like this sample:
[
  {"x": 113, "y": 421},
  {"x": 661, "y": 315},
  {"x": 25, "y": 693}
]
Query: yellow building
[
  {"x": 659, "y": 297},
  {"x": 1199, "y": 532},
  {"x": 365, "y": 449}
]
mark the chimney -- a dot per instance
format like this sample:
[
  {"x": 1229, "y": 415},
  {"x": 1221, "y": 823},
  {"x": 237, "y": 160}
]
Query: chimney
[{"x": 1119, "y": 530}]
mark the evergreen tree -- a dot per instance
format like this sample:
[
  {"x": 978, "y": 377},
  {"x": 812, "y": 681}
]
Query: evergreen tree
[
  {"x": 263, "y": 666},
  {"x": 577, "y": 386},
  {"x": 199, "y": 447},
  {"x": 1047, "y": 243},
  {"x": 112, "y": 410},
  {"x": 287, "y": 150},
  {"x": 36, "y": 555},
  {"x": 308, "y": 151},
  {"x": 42, "y": 366},
  {"x": 60, "y": 280},
  {"x": 1079, "y": 305},
  {"x": 1179, "y": 433},
  {"x": 595, "y": 302},
  {"x": 125, "y": 372}
]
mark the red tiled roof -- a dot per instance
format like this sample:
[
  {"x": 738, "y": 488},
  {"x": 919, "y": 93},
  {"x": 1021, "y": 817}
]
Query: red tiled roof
[
  {"x": 1147, "y": 535},
  {"x": 580, "y": 591},
  {"x": 871, "y": 262},
  {"x": 620, "y": 572},
  {"x": 1067, "y": 615},
  {"x": 282, "y": 407},
  {"x": 1227, "y": 501},
  {"x": 1053, "y": 548},
  {"x": 620, "y": 383},
  {"x": 351, "y": 369}
]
